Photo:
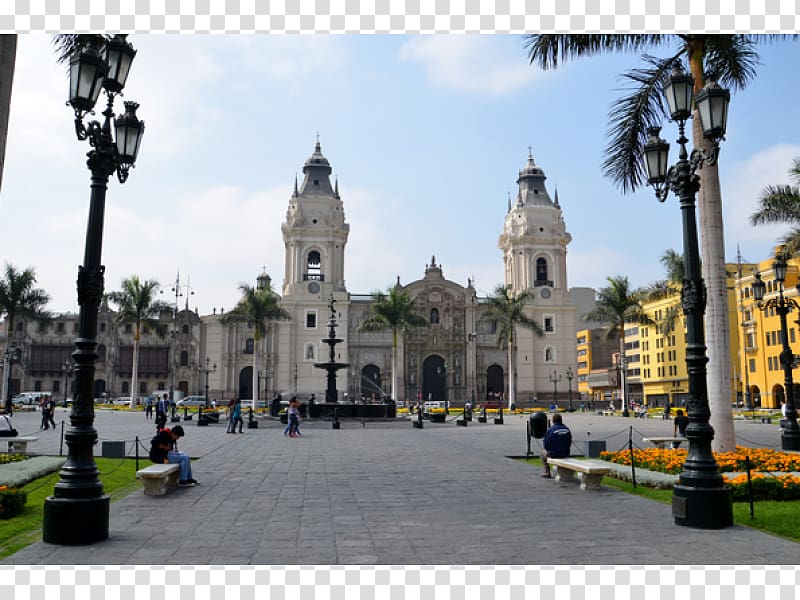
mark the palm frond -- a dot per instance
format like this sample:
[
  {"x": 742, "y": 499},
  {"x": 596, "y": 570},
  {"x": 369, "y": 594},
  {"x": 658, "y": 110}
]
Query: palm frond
[
  {"x": 791, "y": 242},
  {"x": 730, "y": 60},
  {"x": 777, "y": 204},
  {"x": 546, "y": 50},
  {"x": 629, "y": 119},
  {"x": 673, "y": 263}
]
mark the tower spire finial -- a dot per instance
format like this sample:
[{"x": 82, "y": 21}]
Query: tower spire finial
[
  {"x": 296, "y": 193},
  {"x": 509, "y": 201}
]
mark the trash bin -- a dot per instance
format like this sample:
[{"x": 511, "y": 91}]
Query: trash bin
[
  {"x": 113, "y": 449},
  {"x": 593, "y": 448},
  {"x": 538, "y": 425}
]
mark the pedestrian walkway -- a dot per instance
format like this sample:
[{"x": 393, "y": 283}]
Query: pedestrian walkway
[{"x": 385, "y": 493}]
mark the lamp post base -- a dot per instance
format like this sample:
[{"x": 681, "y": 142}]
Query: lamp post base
[
  {"x": 702, "y": 508},
  {"x": 790, "y": 439},
  {"x": 75, "y": 521}
]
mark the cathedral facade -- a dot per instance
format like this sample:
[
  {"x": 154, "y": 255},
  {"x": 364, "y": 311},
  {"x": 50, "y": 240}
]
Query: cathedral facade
[{"x": 454, "y": 357}]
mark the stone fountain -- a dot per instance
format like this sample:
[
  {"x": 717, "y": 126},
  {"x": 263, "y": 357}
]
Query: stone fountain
[{"x": 331, "y": 394}]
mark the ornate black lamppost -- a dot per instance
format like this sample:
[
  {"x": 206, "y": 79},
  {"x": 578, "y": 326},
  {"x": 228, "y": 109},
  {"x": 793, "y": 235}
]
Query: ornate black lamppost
[
  {"x": 700, "y": 499},
  {"x": 10, "y": 355},
  {"x": 77, "y": 512},
  {"x": 570, "y": 375},
  {"x": 66, "y": 368},
  {"x": 790, "y": 434},
  {"x": 555, "y": 378},
  {"x": 176, "y": 289},
  {"x": 208, "y": 370}
]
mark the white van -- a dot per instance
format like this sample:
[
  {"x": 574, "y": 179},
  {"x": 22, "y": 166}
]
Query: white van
[{"x": 28, "y": 398}]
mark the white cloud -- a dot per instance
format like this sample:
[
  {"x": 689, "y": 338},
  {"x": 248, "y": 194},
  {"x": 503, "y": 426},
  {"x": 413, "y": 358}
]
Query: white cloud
[
  {"x": 741, "y": 188},
  {"x": 479, "y": 64}
]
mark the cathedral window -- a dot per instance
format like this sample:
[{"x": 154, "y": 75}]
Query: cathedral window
[
  {"x": 434, "y": 316},
  {"x": 185, "y": 329},
  {"x": 549, "y": 324},
  {"x": 184, "y": 359},
  {"x": 101, "y": 353},
  {"x": 249, "y": 344},
  {"x": 311, "y": 319}
]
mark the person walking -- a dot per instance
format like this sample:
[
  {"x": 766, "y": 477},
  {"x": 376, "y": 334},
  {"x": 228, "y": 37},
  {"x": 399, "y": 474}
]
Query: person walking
[
  {"x": 45, "y": 424},
  {"x": 293, "y": 414},
  {"x": 161, "y": 412},
  {"x": 235, "y": 417},
  {"x": 557, "y": 443},
  {"x": 51, "y": 411}
]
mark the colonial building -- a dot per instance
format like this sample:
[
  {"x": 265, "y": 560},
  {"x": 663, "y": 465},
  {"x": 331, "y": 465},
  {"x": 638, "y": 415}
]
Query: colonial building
[{"x": 454, "y": 357}]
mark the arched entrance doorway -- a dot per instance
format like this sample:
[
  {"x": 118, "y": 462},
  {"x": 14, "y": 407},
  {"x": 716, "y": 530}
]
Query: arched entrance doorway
[
  {"x": 756, "y": 395},
  {"x": 99, "y": 388},
  {"x": 434, "y": 379},
  {"x": 371, "y": 382},
  {"x": 778, "y": 396},
  {"x": 495, "y": 378},
  {"x": 246, "y": 383}
]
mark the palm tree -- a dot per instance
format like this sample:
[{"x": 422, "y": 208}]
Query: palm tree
[
  {"x": 258, "y": 306},
  {"x": 729, "y": 59},
  {"x": 616, "y": 305},
  {"x": 393, "y": 310},
  {"x": 781, "y": 204},
  {"x": 18, "y": 298},
  {"x": 508, "y": 311},
  {"x": 137, "y": 305}
]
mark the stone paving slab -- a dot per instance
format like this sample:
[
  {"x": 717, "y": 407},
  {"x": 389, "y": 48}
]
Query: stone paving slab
[{"x": 385, "y": 493}]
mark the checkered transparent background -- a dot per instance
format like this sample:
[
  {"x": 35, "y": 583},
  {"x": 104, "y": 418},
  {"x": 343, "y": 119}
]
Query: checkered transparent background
[
  {"x": 398, "y": 16},
  {"x": 400, "y": 582}
]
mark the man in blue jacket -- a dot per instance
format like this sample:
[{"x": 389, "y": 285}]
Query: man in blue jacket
[{"x": 557, "y": 442}]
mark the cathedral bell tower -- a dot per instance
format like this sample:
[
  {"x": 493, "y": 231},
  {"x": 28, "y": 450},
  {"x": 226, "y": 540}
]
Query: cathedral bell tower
[
  {"x": 314, "y": 237},
  {"x": 534, "y": 244}
]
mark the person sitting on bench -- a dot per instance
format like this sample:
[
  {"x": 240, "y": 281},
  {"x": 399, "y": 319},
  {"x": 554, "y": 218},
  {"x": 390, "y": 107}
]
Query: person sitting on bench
[
  {"x": 557, "y": 443},
  {"x": 162, "y": 451}
]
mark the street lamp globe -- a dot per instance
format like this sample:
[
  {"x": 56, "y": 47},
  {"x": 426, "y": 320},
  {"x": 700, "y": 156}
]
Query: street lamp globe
[
  {"x": 712, "y": 106},
  {"x": 119, "y": 56},
  {"x": 780, "y": 267},
  {"x": 759, "y": 288},
  {"x": 656, "y": 157},
  {"x": 678, "y": 91},
  {"x": 87, "y": 69},
  {"x": 128, "y": 129}
]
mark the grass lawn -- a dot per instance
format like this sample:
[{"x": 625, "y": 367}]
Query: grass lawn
[
  {"x": 778, "y": 518},
  {"x": 118, "y": 477}
]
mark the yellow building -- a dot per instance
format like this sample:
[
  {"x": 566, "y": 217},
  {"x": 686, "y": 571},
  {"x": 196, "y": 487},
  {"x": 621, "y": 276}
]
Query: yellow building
[
  {"x": 760, "y": 334},
  {"x": 662, "y": 348}
]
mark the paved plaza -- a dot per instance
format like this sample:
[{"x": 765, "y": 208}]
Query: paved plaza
[{"x": 385, "y": 493}]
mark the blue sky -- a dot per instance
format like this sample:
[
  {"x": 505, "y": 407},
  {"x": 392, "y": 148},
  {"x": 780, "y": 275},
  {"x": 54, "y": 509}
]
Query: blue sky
[{"x": 426, "y": 134}]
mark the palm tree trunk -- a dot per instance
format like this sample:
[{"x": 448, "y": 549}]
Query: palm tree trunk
[
  {"x": 714, "y": 273},
  {"x": 135, "y": 370},
  {"x": 394, "y": 364},
  {"x": 511, "y": 387},
  {"x": 254, "y": 401},
  {"x": 8, "y": 54}
]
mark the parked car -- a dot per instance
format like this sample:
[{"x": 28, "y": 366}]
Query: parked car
[
  {"x": 191, "y": 401},
  {"x": 121, "y": 400}
]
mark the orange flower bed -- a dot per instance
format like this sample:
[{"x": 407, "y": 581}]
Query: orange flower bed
[
  {"x": 670, "y": 461},
  {"x": 770, "y": 478}
]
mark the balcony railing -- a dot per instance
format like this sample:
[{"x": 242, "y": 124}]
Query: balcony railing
[
  {"x": 543, "y": 283},
  {"x": 313, "y": 277}
]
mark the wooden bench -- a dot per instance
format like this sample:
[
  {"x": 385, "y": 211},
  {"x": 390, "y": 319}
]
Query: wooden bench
[
  {"x": 19, "y": 444},
  {"x": 590, "y": 472},
  {"x": 664, "y": 441},
  {"x": 156, "y": 478},
  {"x": 607, "y": 413}
]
